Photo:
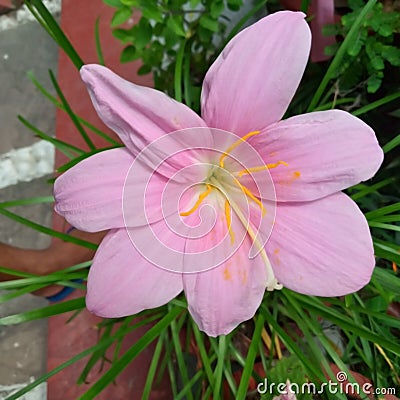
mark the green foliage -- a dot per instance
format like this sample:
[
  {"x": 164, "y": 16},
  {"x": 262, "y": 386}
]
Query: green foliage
[
  {"x": 372, "y": 51},
  {"x": 293, "y": 370},
  {"x": 161, "y": 29}
]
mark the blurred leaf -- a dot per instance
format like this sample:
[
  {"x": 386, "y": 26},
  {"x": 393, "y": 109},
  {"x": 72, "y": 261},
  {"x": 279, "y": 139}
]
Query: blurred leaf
[
  {"x": 216, "y": 8},
  {"x": 113, "y": 3},
  {"x": 121, "y": 16},
  {"x": 144, "y": 70},
  {"x": 152, "y": 12},
  {"x": 119, "y": 365},
  {"x": 235, "y": 5},
  {"x": 250, "y": 359},
  {"x": 130, "y": 3},
  {"x": 175, "y": 23},
  {"x": 287, "y": 369},
  {"x": 99, "y": 50},
  {"x": 129, "y": 54},
  {"x": 54, "y": 309},
  {"x": 124, "y": 35},
  {"x": 143, "y": 33},
  {"x": 209, "y": 23}
]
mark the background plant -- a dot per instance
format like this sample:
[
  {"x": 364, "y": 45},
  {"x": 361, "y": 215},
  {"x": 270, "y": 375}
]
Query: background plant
[
  {"x": 375, "y": 48},
  {"x": 168, "y": 30}
]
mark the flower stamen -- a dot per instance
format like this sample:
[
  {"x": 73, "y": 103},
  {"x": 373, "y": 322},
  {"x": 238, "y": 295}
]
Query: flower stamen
[
  {"x": 234, "y": 145},
  {"x": 248, "y": 193},
  {"x": 202, "y": 196},
  {"x": 229, "y": 220},
  {"x": 262, "y": 168}
]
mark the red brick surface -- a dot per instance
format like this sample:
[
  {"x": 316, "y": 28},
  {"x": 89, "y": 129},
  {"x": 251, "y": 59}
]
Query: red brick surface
[{"x": 6, "y": 4}]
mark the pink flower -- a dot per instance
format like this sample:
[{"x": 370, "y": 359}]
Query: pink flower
[{"x": 320, "y": 242}]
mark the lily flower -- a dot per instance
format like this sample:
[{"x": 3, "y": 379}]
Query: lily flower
[{"x": 229, "y": 204}]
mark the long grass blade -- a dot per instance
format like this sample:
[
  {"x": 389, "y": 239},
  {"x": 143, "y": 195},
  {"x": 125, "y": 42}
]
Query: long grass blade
[{"x": 119, "y": 365}]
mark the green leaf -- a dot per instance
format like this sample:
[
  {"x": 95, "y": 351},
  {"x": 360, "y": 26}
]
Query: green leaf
[
  {"x": 221, "y": 352},
  {"x": 49, "y": 23},
  {"x": 129, "y": 54},
  {"x": 113, "y": 3},
  {"x": 58, "y": 104},
  {"x": 356, "y": 4},
  {"x": 203, "y": 354},
  {"x": 376, "y": 104},
  {"x": 152, "y": 12},
  {"x": 130, "y": 3},
  {"x": 209, "y": 23},
  {"x": 26, "y": 202},
  {"x": 216, "y": 8},
  {"x": 121, "y": 16},
  {"x": 381, "y": 225},
  {"x": 46, "y": 230},
  {"x": 383, "y": 211},
  {"x": 385, "y": 30},
  {"x": 304, "y": 6},
  {"x": 44, "y": 312},
  {"x": 178, "y": 71},
  {"x": 355, "y": 47},
  {"x": 386, "y": 250},
  {"x": 143, "y": 32},
  {"x": 119, "y": 365},
  {"x": 103, "y": 344},
  {"x": 124, "y": 35},
  {"x": 99, "y": 50},
  {"x": 144, "y": 70},
  {"x": 288, "y": 368},
  {"x": 392, "y": 55},
  {"x": 250, "y": 359},
  {"x": 70, "y": 113},
  {"x": 372, "y": 189},
  {"x": 235, "y": 5},
  {"x": 153, "y": 366},
  {"x": 182, "y": 364},
  {"x": 374, "y": 82},
  {"x": 68, "y": 149},
  {"x": 336, "y": 62},
  {"x": 175, "y": 23},
  {"x": 392, "y": 144}
]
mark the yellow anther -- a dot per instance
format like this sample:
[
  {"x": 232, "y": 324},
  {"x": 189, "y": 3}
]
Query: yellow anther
[
  {"x": 202, "y": 196},
  {"x": 229, "y": 220},
  {"x": 261, "y": 168},
  {"x": 234, "y": 145},
  {"x": 247, "y": 192}
]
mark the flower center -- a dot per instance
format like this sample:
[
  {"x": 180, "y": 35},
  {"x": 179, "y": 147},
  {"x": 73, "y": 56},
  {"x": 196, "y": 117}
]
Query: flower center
[{"x": 216, "y": 180}]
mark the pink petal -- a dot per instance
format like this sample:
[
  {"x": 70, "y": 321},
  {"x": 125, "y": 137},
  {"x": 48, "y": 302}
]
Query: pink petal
[
  {"x": 89, "y": 195},
  {"x": 252, "y": 82},
  {"x": 222, "y": 297},
  {"x": 137, "y": 114},
  {"x": 121, "y": 282},
  {"x": 321, "y": 248},
  {"x": 325, "y": 151}
]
